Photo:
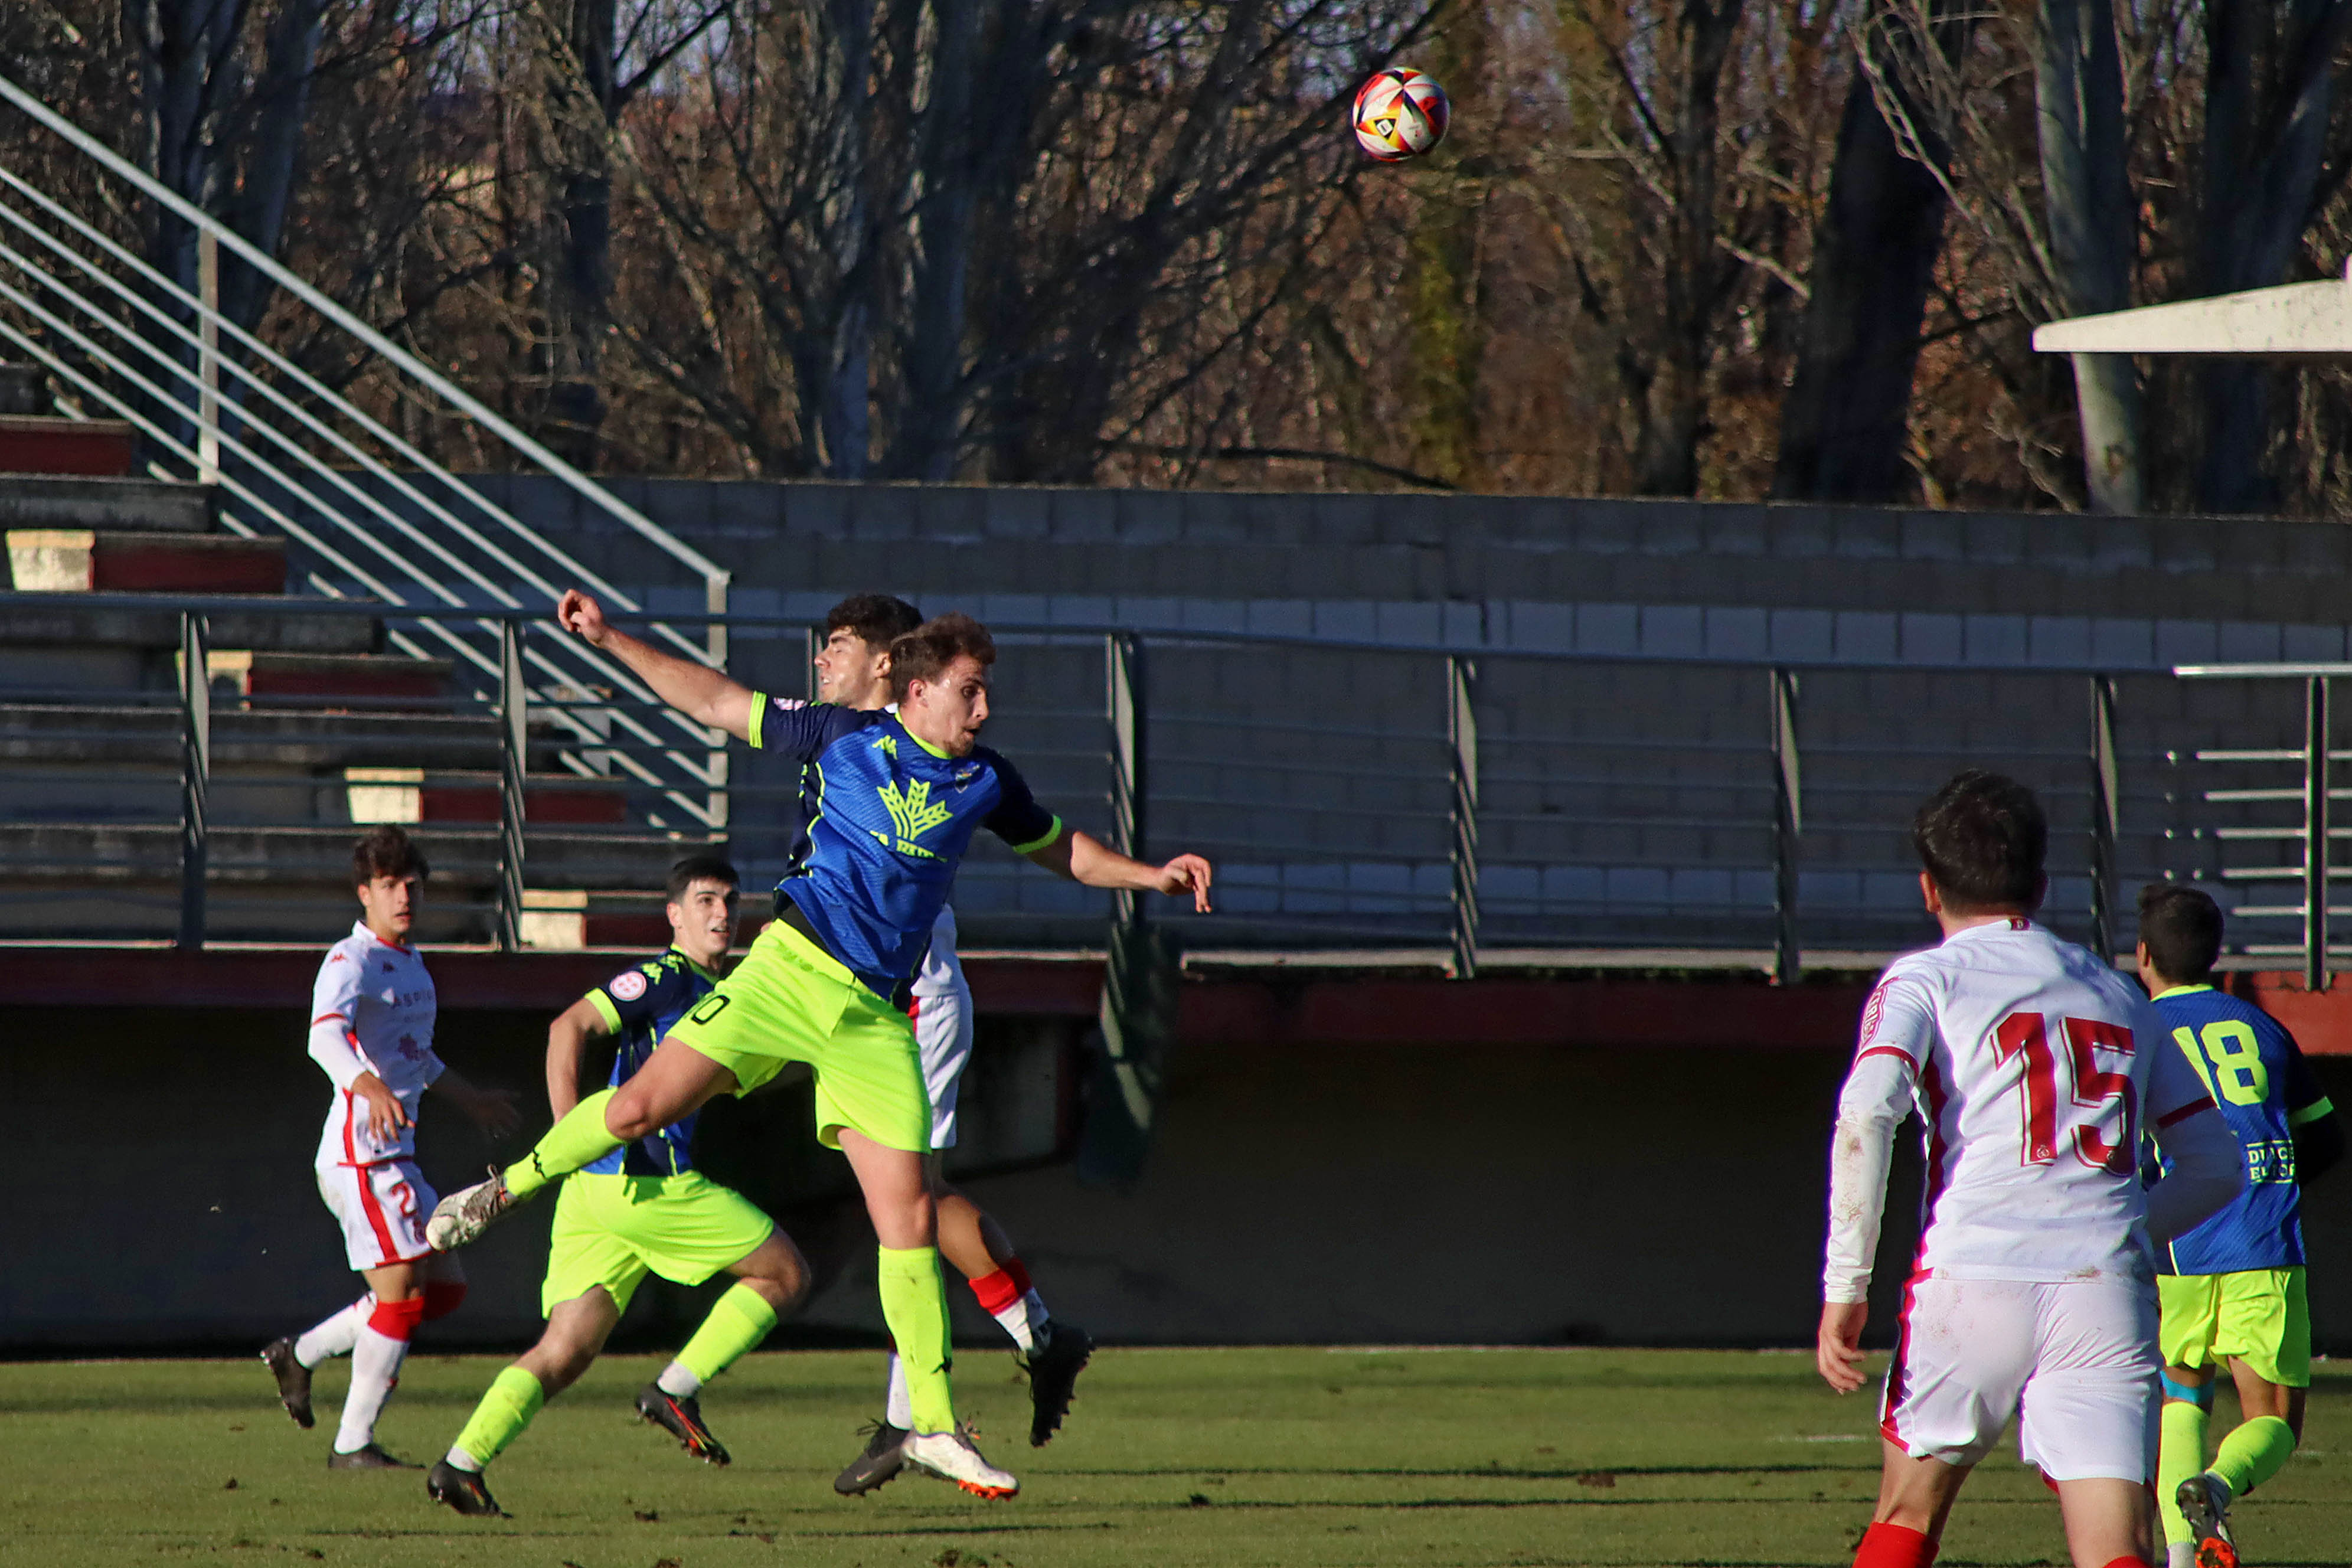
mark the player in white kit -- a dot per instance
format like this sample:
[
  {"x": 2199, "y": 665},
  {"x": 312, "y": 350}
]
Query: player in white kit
[
  {"x": 372, "y": 1014},
  {"x": 2035, "y": 1068},
  {"x": 853, "y": 668}
]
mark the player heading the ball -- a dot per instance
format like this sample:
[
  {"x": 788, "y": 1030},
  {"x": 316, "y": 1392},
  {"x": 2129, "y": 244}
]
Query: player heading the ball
[
  {"x": 902, "y": 793},
  {"x": 2035, "y": 1069}
]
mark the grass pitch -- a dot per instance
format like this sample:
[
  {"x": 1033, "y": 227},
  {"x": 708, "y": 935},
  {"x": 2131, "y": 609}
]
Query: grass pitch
[{"x": 1291, "y": 1458}]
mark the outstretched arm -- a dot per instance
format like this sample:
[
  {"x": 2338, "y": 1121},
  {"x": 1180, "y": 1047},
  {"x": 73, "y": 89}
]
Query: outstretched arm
[
  {"x": 703, "y": 694},
  {"x": 1087, "y": 859}
]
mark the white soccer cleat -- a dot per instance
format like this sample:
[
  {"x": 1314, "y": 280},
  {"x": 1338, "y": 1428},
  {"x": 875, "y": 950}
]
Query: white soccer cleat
[
  {"x": 463, "y": 1216},
  {"x": 951, "y": 1457}
]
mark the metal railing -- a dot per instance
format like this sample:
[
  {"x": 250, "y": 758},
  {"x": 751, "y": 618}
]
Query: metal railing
[
  {"x": 368, "y": 513},
  {"x": 1375, "y": 802}
]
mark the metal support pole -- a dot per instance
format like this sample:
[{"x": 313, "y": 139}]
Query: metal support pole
[
  {"x": 714, "y": 596},
  {"x": 2107, "y": 796},
  {"x": 1123, "y": 668},
  {"x": 1787, "y": 827},
  {"x": 195, "y": 775},
  {"x": 208, "y": 359},
  {"x": 1462, "y": 741},
  {"x": 809, "y": 646},
  {"x": 514, "y": 739},
  {"x": 2316, "y": 729}
]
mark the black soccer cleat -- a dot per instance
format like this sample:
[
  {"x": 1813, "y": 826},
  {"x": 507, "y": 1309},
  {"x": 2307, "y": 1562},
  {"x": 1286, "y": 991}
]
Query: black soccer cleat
[
  {"x": 463, "y": 1490},
  {"x": 1054, "y": 1366},
  {"x": 881, "y": 1460},
  {"x": 682, "y": 1419},
  {"x": 2204, "y": 1502},
  {"x": 293, "y": 1381},
  {"x": 371, "y": 1458}
]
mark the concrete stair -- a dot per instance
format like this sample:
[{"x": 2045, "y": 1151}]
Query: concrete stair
[{"x": 316, "y": 730}]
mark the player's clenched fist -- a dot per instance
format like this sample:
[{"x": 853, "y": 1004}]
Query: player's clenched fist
[
  {"x": 1838, "y": 1352},
  {"x": 581, "y": 616}
]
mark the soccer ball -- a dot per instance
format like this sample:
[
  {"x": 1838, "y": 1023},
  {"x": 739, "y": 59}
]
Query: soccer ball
[{"x": 1401, "y": 113}]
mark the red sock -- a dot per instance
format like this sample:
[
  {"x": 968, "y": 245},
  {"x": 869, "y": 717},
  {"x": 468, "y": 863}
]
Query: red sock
[
  {"x": 1019, "y": 1274},
  {"x": 2127, "y": 1563},
  {"x": 398, "y": 1320},
  {"x": 996, "y": 1291},
  {"x": 1893, "y": 1546},
  {"x": 443, "y": 1297}
]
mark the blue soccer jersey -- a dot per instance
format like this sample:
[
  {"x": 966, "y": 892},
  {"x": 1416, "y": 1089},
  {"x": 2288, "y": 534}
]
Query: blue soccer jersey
[
  {"x": 639, "y": 1006},
  {"x": 887, "y": 820},
  {"x": 2264, "y": 1090}
]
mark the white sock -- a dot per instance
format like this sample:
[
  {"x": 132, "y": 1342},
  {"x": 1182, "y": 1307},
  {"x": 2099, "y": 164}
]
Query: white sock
[
  {"x": 899, "y": 1409},
  {"x": 1024, "y": 1319},
  {"x": 679, "y": 1382},
  {"x": 460, "y": 1460},
  {"x": 2180, "y": 1555},
  {"x": 375, "y": 1368},
  {"x": 336, "y": 1335}
]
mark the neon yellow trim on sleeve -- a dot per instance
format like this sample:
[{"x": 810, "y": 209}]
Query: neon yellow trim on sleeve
[
  {"x": 759, "y": 709},
  {"x": 1051, "y": 833},
  {"x": 2318, "y": 1108},
  {"x": 605, "y": 1010}
]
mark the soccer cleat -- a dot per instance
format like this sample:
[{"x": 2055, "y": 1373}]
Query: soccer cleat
[
  {"x": 371, "y": 1458},
  {"x": 951, "y": 1457},
  {"x": 293, "y": 1381},
  {"x": 463, "y": 1216},
  {"x": 463, "y": 1490},
  {"x": 682, "y": 1419},
  {"x": 880, "y": 1463},
  {"x": 2204, "y": 1502},
  {"x": 1054, "y": 1367}
]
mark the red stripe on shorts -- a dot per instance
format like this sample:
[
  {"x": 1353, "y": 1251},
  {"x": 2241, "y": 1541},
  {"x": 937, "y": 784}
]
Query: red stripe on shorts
[{"x": 388, "y": 1252}]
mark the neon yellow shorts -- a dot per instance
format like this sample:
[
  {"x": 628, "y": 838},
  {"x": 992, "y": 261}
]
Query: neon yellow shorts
[
  {"x": 613, "y": 1230},
  {"x": 2258, "y": 1316},
  {"x": 790, "y": 1001}
]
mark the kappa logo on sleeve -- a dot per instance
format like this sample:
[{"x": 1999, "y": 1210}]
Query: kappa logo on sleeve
[{"x": 627, "y": 985}]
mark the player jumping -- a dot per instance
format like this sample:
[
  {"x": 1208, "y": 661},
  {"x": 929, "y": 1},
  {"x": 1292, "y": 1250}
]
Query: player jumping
[
  {"x": 372, "y": 1014},
  {"x": 2232, "y": 1289},
  {"x": 640, "y": 1210},
  {"x": 2035, "y": 1067},
  {"x": 901, "y": 795},
  {"x": 852, "y": 670}
]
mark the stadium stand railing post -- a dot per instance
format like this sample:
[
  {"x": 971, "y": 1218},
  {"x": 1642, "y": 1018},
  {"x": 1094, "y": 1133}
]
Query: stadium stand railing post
[
  {"x": 2315, "y": 740},
  {"x": 195, "y": 774},
  {"x": 1461, "y": 738},
  {"x": 2106, "y": 798},
  {"x": 514, "y": 740},
  {"x": 1788, "y": 827}
]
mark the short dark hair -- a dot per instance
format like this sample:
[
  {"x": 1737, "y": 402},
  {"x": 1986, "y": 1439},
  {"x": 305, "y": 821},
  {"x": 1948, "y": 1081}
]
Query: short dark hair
[
  {"x": 1982, "y": 839},
  {"x": 701, "y": 868},
  {"x": 2182, "y": 928},
  {"x": 878, "y": 619},
  {"x": 385, "y": 851},
  {"x": 930, "y": 647}
]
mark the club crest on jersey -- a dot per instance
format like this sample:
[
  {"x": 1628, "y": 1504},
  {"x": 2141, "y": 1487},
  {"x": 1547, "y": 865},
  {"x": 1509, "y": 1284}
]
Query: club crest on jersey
[
  {"x": 627, "y": 985},
  {"x": 913, "y": 813}
]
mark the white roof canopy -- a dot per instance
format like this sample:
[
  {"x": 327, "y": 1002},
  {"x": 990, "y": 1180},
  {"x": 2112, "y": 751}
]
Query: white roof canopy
[{"x": 2294, "y": 321}]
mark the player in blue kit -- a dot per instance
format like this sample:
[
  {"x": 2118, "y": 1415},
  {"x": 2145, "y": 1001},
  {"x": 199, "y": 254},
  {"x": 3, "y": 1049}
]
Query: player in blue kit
[
  {"x": 2233, "y": 1288},
  {"x": 899, "y": 794},
  {"x": 643, "y": 1208}
]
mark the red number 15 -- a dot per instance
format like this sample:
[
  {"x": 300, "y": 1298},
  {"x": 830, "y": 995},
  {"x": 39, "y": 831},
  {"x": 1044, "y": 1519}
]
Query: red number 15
[{"x": 2023, "y": 1034}]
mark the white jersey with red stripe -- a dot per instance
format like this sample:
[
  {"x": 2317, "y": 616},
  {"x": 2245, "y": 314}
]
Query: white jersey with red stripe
[
  {"x": 2035, "y": 1067},
  {"x": 372, "y": 1010}
]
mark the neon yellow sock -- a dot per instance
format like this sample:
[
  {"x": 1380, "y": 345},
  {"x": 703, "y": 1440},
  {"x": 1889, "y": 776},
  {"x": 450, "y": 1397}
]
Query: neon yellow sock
[
  {"x": 738, "y": 1321},
  {"x": 2179, "y": 1455},
  {"x": 514, "y": 1398},
  {"x": 577, "y": 1139},
  {"x": 2253, "y": 1453},
  {"x": 915, "y": 1305}
]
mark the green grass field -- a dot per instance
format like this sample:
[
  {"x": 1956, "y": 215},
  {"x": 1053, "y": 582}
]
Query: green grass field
[{"x": 1297, "y": 1458}]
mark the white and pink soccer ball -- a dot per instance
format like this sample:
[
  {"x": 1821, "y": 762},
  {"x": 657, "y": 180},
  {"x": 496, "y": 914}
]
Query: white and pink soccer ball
[{"x": 1401, "y": 113}]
